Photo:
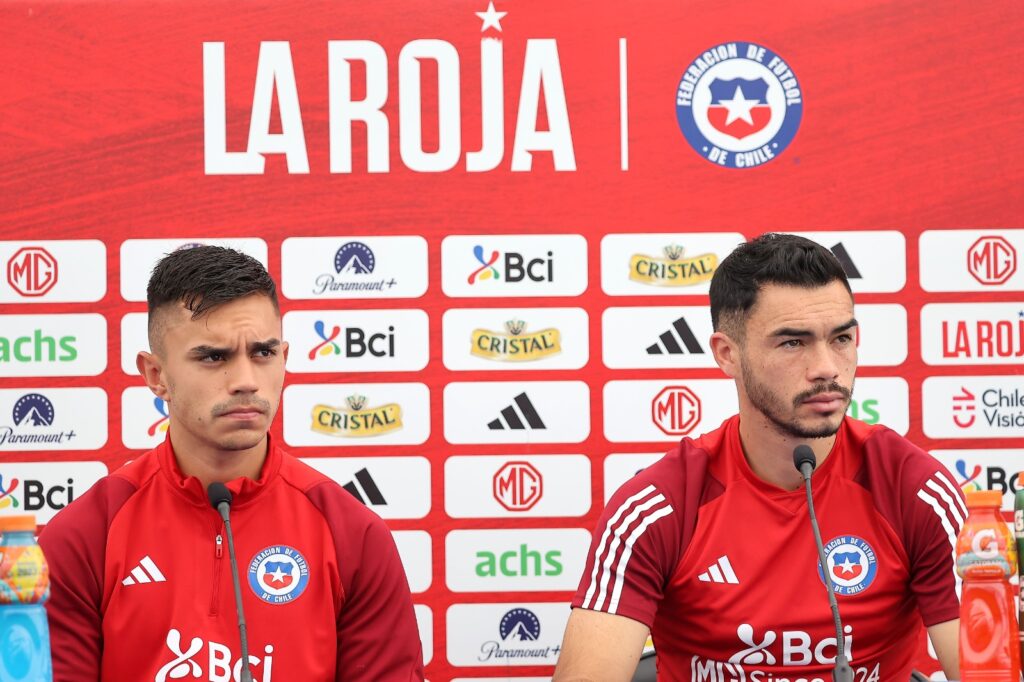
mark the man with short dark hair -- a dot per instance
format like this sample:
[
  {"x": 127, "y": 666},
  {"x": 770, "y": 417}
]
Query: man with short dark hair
[
  {"x": 141, "y": 584},
  {"x": 710, "y": 549}
]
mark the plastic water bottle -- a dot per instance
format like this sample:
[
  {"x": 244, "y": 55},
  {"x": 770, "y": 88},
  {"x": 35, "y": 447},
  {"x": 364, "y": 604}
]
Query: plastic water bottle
[
  {"x": 986, "y": 558},
  {"x": 24, "y": 587}
]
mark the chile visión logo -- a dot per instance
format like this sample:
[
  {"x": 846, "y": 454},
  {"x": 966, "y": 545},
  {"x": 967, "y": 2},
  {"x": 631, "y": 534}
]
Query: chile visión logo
[{"x": 739, "y": 105}]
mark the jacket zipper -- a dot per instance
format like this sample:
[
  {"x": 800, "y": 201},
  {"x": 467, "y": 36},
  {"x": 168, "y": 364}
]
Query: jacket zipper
[{"x": 217, "y": 561}]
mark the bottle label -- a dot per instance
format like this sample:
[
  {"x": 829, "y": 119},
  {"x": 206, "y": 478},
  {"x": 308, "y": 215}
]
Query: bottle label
[
  {"x": 985, "y": 552},
  {"x": 24, "y": 577}
]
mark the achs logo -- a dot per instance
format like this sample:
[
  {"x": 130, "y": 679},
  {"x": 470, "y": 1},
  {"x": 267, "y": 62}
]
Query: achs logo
[
  {"x": 964, "y": 409},
  {"x": 514, "y": 345},
  {"x": 356, "y": 421},
  {"x": 673, "y": 270},
  {"x": 222, "y": 661},
  {"x": 983, "y": 338},
  {"x": 163, "y": 421},
  {"x": 354, "y": 264},
  {"x": 852, "y": 564},
  {"x": 676, "y": 410},
  {"x": 516, "y": 266},
  {"x": 739, "y": 105},
  {"x": 278, "y": 574},
  {"x": 32, "y": 271},
  {"x": 518, "y": 486},
  {"x": 7, "y": 498},
  {"x": 33, "y": 414},
  {"x": 992, "y": 260},
  {"x": 357, "y": 343}
]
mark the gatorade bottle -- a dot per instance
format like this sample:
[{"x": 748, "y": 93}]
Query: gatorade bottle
[
  {"x": 986, "y": 557},
  {"x": 24, "y": 587},
  {"x": 1018, "y": 525}
]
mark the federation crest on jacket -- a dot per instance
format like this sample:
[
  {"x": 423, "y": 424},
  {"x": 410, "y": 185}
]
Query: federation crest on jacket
[
  {"x": 852, "y": 564},
  {"x": 278, "y": 574},
  {"x": 739, "y": 105}
]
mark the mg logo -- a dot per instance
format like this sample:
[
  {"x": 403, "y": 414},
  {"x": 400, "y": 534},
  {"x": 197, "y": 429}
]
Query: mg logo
[
  {"x": 992, "y": 260},
  {"x": 32, "y": 271},
  {"x": 676, "y": 410},
  {"x": 518, "y": 486}
]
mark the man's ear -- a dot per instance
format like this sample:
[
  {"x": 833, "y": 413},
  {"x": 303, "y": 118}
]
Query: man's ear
[
  {"x": 727, "y": 353},
  {"x": 151, "y": 369},
  {"x": 284, "y": 350}
]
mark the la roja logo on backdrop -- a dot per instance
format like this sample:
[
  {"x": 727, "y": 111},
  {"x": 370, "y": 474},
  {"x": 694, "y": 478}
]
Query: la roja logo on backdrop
[{"x": 739, "y": 105}]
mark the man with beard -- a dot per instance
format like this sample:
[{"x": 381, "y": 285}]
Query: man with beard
[{"x": 710, "y": 549}]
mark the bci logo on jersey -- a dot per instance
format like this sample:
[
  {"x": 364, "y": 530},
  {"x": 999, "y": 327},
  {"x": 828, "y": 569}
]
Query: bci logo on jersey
[
  {"x": 739, "y": 105},
  {"x": 852, "y": 564},
  {"x": 278, "y": 574},
  {"x": 221, "y": 664}
]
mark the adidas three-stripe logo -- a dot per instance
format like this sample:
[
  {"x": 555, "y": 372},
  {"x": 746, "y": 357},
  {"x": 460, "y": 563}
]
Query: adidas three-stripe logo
[
  {"x": 365, "y": 489},
  {"x": 719, "y": 572},
  {"x": 512, "y": 419},
  {"x": 145, "y": 572},
  {"x": 669, "y": 341}
]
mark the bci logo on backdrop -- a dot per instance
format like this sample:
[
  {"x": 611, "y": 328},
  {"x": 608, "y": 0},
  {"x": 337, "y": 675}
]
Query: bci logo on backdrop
[
  {"x": 357, "y": 340},
  {"x": 44, "y": 488},
  {"x": 997, "y": 469},
  {"x": 514, "y": 265}
]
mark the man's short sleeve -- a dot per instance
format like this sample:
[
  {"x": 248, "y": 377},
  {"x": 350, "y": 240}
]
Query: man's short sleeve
[
  {"x": 634, "y": 551},
  {"x": 933, "y": 518}
]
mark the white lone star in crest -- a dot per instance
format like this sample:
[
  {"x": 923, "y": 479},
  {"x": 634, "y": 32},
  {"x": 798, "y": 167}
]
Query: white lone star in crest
[
  {"x": 491, "y": 18},
  {"x": 739, "y": 107},
  {"x": 278, "y": 575},
  {"x": 847, "y": 565}
]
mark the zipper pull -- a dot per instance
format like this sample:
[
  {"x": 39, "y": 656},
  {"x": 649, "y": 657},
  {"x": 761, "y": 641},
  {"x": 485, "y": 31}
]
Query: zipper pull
[{"x": 220, "y": 546}]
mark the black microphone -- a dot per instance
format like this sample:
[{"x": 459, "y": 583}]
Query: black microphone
[
  {"x": 220, "y": 498},
  {"x": 804, "y": 461}
]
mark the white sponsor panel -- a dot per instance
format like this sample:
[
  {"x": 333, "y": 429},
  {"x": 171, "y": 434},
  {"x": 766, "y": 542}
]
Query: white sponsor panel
[
  {"x": 972, "y": 333},
  {"x": 973, "y": 407},
  {"x": 664, "y": 264},
  {"x": 140, "y": 256},
  {"x": 882, "y": 400},
  {"x": 514, "y": 265},
  {"x": 525, "y": 560},
  {"x": 356, "y": 414},
  {"x": 644, "y": 411},
  {"x": 353, "y": 267},
  {"x": 144, "y": 418},
  {"x": 44, "y": 488},
  {"x": 393, "y": 487},
  {"x": 665, "y": 337},
  {"x": 875, "y": 261},
  {"x": 53, "y": 345},
  {"x": 620, "y": 467},
  {"x": 516, "y": 412},
  {"x": 134, "y": 338},
  {"x": 515, "y": 338},
  {"x": 995, "y": 469},
  {"x": 425, "y": 624},
  {"x": 414, "y": 550},
  {"x": 972, "y": 260},
  {"x": 504, "y": 635},
  {"x": 882, "y": 336},
  {"x": 506, "y": 486},
  {"x": 34, "y": 419},
  {"x": 357, "y": 340},
  {"x": 44, "y": 271}
]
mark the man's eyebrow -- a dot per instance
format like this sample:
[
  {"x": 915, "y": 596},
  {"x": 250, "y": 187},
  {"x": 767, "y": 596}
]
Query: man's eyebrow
[
  {"x": 793, "y": 331},
  {"x": 204, "y": 349},
  {"x": 269, "y": 344}
]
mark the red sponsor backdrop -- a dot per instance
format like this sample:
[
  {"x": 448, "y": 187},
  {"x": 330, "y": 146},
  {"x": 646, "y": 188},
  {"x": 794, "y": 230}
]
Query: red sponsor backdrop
[{"x": 912, "y": 119}]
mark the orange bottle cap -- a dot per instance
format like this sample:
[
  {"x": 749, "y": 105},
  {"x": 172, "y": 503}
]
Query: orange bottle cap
[
  {"x": 984, "y": 498},
  {"x": 18, "y": 522}
]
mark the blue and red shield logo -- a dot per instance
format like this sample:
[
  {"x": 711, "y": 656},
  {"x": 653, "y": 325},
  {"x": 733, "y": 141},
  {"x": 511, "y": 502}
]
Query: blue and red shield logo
[
  {"x": 278, "y": 574},
  {"x": 739, "y": 107},
  {"x": 852, "y": 564}
]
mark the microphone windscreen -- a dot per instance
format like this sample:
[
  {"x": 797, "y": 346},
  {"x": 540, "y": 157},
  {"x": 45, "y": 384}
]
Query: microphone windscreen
[
  {"x": 803, "y": 454},
  {"x": 218, "y": 493}
]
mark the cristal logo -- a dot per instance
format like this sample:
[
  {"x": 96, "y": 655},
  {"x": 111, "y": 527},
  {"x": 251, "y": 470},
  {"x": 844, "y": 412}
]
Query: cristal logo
[
  {"x": 797, "y": 647},
  {"x": 219, "y": 667}
]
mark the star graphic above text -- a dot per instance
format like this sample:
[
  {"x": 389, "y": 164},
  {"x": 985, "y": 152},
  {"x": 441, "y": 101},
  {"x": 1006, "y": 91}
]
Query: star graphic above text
[
  {"x": 739, "y": 107},
  {"x": 491, "y": 18},
  {"x": 278, "y": 575},
  {"x": 847, "y": 565}
]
